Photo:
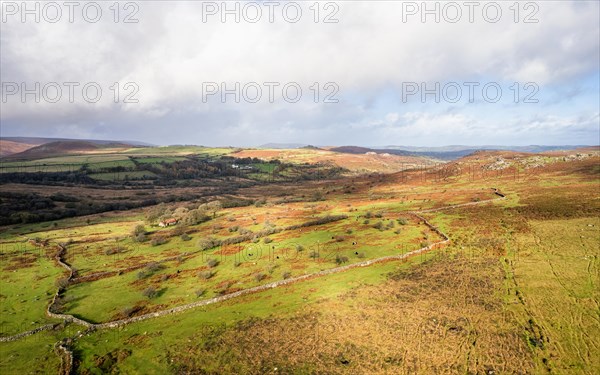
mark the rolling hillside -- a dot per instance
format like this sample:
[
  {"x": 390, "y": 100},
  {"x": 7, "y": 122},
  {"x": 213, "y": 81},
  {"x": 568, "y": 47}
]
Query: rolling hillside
[
  {"x": 10, "y": 147},
  {"x": 61, "y": 148}
]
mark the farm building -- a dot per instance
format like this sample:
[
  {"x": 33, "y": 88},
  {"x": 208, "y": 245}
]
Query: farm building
[{"x": 167, "y": 223}]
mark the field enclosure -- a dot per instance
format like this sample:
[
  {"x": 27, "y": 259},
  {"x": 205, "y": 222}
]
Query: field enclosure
[{"x": 514, "y": 290}]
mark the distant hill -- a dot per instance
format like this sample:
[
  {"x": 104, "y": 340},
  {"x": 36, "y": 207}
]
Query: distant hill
[
  {"x": 311, "y": 147},
  {"x": 462, "y": 148},
  {"x": 282, "y": 146},
  {"x": 36, "y": 141},
  {"x": 453, "y": 152},
  {"x": 434, "y": 155},
  {"x": 10, "y": 147},
  {"x": 61, "y": 148},
  {"x": 351, "y": 149}
]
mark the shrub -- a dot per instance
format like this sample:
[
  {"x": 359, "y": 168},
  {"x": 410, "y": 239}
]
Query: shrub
[
  {"x": 128, "y": 311},
  {"x": 236, "y": 239},
  {"x": 379, "y": 215},
  {"x": 207, "y": 243},
  {"x": 200, "y": 292},
  {"x": 237, "y": 263},
  {"x": 140, "y": 238},
  {"x": 299, "y": 248},
  {"x": 113, "y": 250},
  {"x": 366, "y": 222},
  {"x": 260, "y": 277},
  {"x": 62, "y": 283},
  {"x": 154, "y": 266},
  {"x": 234, "y": 228},
  {"x": 378, "y": 225},
  {"x": 368, "y": 215},
  {"x": 286, "y": 275},
  {"x": 158, "y": 240},
  {"x": 320, "y": 221},
  {"x": 272, "y": 268},
  {"x": 185, "y": 237},
  {"x": 348, "y": 231},
  {"x": 139, "y": 229},
  {"x": 206, "y": 274},
  {"x": 267, "y": 240},
  {"x": 317, "y": 196},
  {"x": 149, "y": 270},
  {"x": 212, "y": 262},
  {"x": 397, "y": 231},
  {"x": 402, "y": 221},
  {"x": 360, "y": 255},
  {"x": 195, "y": 216},
  {"x": 177, "y": 231},
  {"x": 150, "y": 292},
  {"x": 314, "y": 255},
  {"x": 339, "y": 259}
]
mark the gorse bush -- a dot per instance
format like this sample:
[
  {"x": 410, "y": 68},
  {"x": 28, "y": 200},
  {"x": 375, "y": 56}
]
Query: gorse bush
[
  {"x": 150, "y": 269},
  {"x": 139, "y": 229},
  {"x": 206, "y": 274},
  {"x": 154, "y": 266},
  {"x": 340, "y": 259},
  {"x": 208, "y": 243},
  {"x": 158, "y": 240},
  {"x": 150, "y": 292},
  {"x": 320, "y": 221}
]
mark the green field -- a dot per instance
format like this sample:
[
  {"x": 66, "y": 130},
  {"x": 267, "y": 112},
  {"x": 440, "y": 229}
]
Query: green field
[{"x": 518, "y": 280}]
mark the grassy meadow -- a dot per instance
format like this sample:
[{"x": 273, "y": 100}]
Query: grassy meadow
[{"x": 515, "y": 291}]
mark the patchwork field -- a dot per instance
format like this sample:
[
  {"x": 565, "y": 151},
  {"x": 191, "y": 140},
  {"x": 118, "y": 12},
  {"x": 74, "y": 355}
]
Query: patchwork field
[{"x": 335, "y": 267}]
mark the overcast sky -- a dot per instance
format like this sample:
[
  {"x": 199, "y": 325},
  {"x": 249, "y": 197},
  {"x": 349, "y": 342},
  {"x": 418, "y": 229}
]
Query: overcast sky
[{"x": 501, "y": 75}]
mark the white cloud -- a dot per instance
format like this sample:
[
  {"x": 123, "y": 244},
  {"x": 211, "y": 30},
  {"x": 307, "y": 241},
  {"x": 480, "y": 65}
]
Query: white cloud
[{"x": 170, "y": 53}]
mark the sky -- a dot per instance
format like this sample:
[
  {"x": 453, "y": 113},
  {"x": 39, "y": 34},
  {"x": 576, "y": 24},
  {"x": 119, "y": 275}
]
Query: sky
[{"x": 246, "y": 73}]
